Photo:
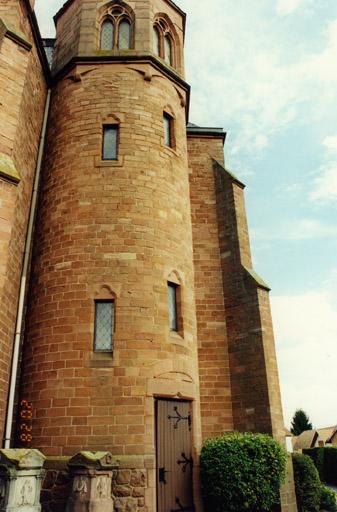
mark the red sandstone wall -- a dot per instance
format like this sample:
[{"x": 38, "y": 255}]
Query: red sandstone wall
[
  {"x": 215, "y": 390},
  {"x": 253, "y": 368},
  {"x": 122, "y": 229},
  {"x": 22, "y": 99}
]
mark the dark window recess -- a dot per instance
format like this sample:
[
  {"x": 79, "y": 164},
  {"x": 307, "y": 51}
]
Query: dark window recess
[
  {"x": 168, "y": 130},
  {"x": 110, "y": 142},
  {"x": 49, "y": 48},
  {"x": 104, "y": 325},
  {"x": 172, "y": 306}
]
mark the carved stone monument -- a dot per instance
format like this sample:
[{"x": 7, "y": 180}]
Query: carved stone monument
[
  {"x": 21, "y": 476},
  {"x": 92, "y": 481}
]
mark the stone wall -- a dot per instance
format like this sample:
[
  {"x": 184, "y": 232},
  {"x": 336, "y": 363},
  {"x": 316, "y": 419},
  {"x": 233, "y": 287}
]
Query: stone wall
[
  {"x": 56, "y": 486},
  {"x": 215, "y": 388},
  {"x": 130, "y": 485},
  {"x": 22, "y": 101},
  {"x": 128, "y": 490}
]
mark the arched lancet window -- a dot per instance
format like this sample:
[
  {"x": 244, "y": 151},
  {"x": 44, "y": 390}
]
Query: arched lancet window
[
  {"x": 156, "y": 41},
  {"x": 107, "y": 35},
  {"x": 163, "y": 41},
  {"x": 168, "y": 50},
  {"x": 124, "y": 35}
]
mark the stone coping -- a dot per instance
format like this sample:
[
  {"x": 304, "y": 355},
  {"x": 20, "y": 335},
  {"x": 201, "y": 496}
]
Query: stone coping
[
  {"x": 21, "y": 458},
  {"x": 6, "y": 30},
  {"x": 256, "y": 278},
  {"x": 8, "y": 169}
]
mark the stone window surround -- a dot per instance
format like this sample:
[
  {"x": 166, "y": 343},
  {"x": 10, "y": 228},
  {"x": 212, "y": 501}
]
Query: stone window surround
[
  {"x": 110, "y": 120},
  {"x": 168, "y": 114},
  {"x": 177, "y": 336}
]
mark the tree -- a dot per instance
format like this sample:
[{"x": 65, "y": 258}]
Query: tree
[{"x": 300, "y": 423}]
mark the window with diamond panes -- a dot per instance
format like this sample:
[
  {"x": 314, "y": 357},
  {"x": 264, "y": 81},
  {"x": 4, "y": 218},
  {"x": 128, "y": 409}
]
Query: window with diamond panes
[
  {"x": 104, "y": 325},
  {"x": 110, "y": 142},
  {"x": 124, "y": 35},
  {"x": 172, "y": 306},
  {"x": 107, "y": 35}
]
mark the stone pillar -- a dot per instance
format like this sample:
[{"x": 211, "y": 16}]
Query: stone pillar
[
  {"x": 21, "y": 475},
  {"x": 92, "y": 482}
]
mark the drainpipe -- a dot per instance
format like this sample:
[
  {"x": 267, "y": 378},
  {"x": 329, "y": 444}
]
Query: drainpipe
[{"x": 24, "y": 279}]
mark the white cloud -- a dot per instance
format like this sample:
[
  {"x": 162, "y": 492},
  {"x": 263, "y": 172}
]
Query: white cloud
[
  {"x": 285, "y": 7},
  {"x": 299, "y": 229},
  {"x": 325, "y": 182},
  {"x": 45, "y": 12},
  {"x": 306, "y": 333}
]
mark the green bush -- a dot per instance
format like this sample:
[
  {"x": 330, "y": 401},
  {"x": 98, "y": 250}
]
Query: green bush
[
  {"x": 317, "y": 456},
  {"x": 307, "y": 483},
  {"x": 242, "y": 472},
  {"x": 328, "y": 499}
]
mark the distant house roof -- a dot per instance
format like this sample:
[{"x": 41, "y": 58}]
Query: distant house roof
[
  {"x": 307, "y": 439},
  {"x": 326, "y": 434}
]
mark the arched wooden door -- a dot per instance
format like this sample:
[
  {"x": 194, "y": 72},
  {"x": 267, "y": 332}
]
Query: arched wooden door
[{"x": 174, "y": 456}]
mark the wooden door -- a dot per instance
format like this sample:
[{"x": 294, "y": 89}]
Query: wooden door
[{"x": 174, "y": 456}]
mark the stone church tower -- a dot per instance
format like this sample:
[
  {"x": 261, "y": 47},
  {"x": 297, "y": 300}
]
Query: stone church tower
[{"x": 146, "y": 328}]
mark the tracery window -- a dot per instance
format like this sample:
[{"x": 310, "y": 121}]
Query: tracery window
[
  {"x": 163, "y": 42},
  {"x": 117, "y": 29}
]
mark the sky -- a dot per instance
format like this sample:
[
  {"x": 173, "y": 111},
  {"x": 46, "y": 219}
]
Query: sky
[{"x": 270, "y": 69}]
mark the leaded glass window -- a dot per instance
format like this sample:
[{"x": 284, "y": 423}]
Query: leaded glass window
[
  {"x": 124, "y": 35},
  {"x": 168, "y": 50},
  {"x": 110, "y": 142},
  {"x": 107, "y": 35},
  {"x": 172, "y": 306},
  {"x": 104, "y": 325},
  {"x": 156, "y": 41}
]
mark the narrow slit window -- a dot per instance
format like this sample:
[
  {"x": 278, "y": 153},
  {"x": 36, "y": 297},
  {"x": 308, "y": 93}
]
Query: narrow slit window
[
  {"x": 124, "y": 35},
  {"x": 168, "y": 130},
  {"x": 172, "y": 306},
  {"x": 168, "y": 50},
  {"x": 107, "y": 35},
  {"x": 104, "y": 325},
  {"x": 110, "y": 142}
]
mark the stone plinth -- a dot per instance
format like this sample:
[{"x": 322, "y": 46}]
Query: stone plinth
[
  {"x": 21, "y": 475},
  {"x": 92, "y": 481}
]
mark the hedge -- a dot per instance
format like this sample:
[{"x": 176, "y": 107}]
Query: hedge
[
  {"x": 325, "y": 460},
  {"x": 328, "y": 499},
  {"x": 307, "y": 484},
  {"x": 242, "y": 472}
]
